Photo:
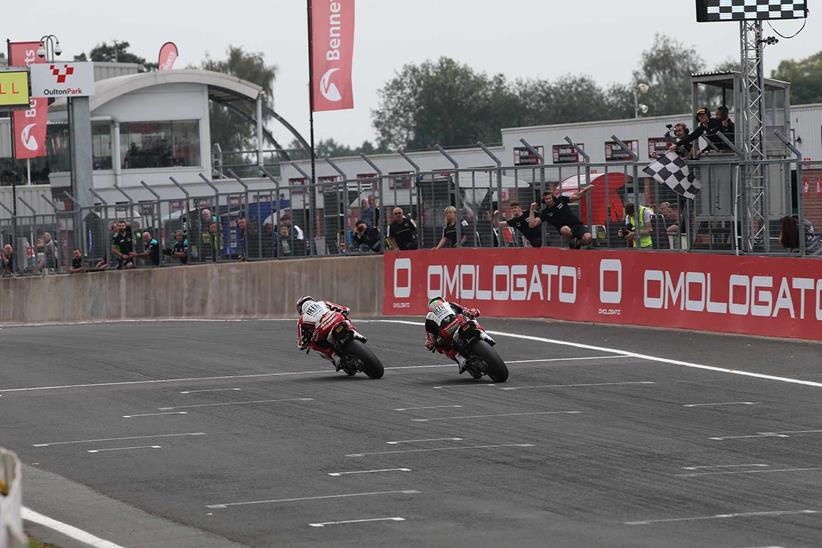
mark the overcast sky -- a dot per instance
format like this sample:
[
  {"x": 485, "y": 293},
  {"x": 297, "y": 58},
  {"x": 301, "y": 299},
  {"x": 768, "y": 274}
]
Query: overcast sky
[{"x": 519, "y": 38}]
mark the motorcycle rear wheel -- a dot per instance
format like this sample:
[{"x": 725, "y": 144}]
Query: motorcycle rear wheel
[
  {"x": 371, "y": 364},
  {"x": 496, "y": 367}
]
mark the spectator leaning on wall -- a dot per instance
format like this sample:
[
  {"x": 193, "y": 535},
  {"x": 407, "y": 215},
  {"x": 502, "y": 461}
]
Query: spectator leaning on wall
[
  {"x": 402, "y": 232},
  {"x": 77, "y": 266},
  {"x": 7, "y": 261},
  {"x": 51, "y": 252},
  {"x": 151, "y": 251}
]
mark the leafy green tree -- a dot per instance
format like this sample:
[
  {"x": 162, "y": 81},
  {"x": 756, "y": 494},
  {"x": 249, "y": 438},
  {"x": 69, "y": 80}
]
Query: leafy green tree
[
  {"x": 329, "y": 148},
  {"x": 566, "y": 100},
  {"x": 443, "y": 102},
  {"x": 667, "y": 67},
  {"x": 116, "y": 52},
  {"x": 228, "y": 128},
  {"x": 805, "y": 77}
]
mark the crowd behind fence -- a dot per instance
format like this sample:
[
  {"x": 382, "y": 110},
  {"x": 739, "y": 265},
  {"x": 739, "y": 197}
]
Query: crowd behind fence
[{"x": 380, "y": 212}]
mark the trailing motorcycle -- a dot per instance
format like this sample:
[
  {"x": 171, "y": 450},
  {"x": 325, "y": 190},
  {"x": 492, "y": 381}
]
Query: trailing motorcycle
[
  {"x": 471, "y": 340},
  {"x": 348, "y": 345}
]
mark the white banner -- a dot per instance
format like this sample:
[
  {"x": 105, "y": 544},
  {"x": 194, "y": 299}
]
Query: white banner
[{"x": 62, "y": 80}]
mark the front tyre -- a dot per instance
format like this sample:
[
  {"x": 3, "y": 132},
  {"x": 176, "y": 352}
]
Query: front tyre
[
  {"x": 496, "y": 368},
  {"x": 371, "y": 364}
]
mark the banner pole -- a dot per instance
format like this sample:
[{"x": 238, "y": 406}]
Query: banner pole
[
  {"x": 15, "y": 164},
  {"x": 312, "y": 183}
]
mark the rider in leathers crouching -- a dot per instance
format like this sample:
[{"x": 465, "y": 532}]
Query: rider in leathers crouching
[
  {"x": 315, "y": 324},
  {"x": 440, "y": 314}
]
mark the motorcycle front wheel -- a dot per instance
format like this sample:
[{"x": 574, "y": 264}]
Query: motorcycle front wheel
[
  {"x": 371, "y": 364},
  {"x": 497, "y": 369}
]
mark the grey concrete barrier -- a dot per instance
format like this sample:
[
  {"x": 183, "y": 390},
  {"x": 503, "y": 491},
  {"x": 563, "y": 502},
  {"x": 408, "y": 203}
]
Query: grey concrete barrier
[
  {"x": 266, "y": 289},
  {"x": 11, "y": 502}
]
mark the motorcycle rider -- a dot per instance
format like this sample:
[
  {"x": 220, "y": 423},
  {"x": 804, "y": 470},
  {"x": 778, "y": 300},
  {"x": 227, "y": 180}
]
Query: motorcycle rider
[
  {"x": 440, "y": 314},
  {"x": 315, "y": 323}
]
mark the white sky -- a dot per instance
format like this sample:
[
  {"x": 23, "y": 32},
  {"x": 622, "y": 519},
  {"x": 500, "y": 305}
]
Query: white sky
[{"x": 519, "y": 38}]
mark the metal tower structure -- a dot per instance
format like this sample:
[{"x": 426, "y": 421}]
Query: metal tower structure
[{"x": 753, "y": 172}]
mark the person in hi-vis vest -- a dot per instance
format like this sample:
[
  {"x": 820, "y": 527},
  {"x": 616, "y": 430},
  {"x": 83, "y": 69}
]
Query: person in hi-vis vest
[{"x": 638, "y": 228}]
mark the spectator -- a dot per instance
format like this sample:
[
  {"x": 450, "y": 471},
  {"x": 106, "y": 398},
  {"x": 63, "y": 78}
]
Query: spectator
[
  {"x": 77, "y": 265},
  {"x": 180, "y": 249},
  {"x": 51, "y": 252},
  {"x": 449, "y": 231},
  {"x": 789, "y": 235},
  {"x": 519, "y": 221},
  {"x": 242, "y": 239},
  {"x": 151, "y": 250},
  {"x": 40, "y": 256},
  {"x": 558, "y": 213},
  {"x": 122, "y": 247},
  {"x": 289, "y": 222},
  {"x": 402, "y": 232},
  {"x": 671, "y": 216},
  {"x": 365, "y": 238},
  {"x": 282, "y": 242},
  {"x": 638, "y": 228},
  {"x": 7, "y": 261},
  {"x": 726, "y": 127},
  {"x": 369, "y": 212},
  {"x": 707, "y": 127},
  {"x": 215, "y": 241},
  {"x": 680, "y": 144}
]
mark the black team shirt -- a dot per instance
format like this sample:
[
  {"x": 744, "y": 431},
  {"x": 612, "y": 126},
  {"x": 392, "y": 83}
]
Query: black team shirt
[{"x": 560, "y": 213}]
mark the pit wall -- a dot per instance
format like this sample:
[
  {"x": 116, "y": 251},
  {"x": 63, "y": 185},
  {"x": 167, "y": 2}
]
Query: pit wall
[
  {"x": 776, "y": 297},
  {"x": 265, "y": 289}
]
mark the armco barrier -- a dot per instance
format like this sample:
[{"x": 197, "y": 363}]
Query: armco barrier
[
  {"x": 11, "y": 504},
  {"x": 779, "y": 297},
  {"x": 230, "y": 290}
]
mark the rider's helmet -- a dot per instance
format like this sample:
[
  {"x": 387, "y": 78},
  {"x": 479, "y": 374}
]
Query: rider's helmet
[
  {"x": 302, "y": 301},
  {"x": 435, "y": 302}
]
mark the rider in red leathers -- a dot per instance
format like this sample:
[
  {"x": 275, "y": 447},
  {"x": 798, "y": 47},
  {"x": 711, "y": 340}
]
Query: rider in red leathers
[
  {"x": 440, "y": 314},
  {"x": 317, "y": 318}
]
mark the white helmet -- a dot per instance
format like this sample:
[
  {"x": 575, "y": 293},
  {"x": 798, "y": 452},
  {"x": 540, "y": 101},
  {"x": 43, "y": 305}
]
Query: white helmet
[{"x": 303, "y": 301}]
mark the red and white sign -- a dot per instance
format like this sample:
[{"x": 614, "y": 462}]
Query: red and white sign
[
  {"x": 779, "y": 297},
  {"x": 168, "y": 55},
  {"x": 332, "y": 32},
  {"x": 62, "y": 80},
  {"x": 29, "y": 124}
]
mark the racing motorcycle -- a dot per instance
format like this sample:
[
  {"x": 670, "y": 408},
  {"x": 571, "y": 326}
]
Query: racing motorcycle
[
  {"x": 471, "y": 340},
  {"x": 349, "y": 347}
]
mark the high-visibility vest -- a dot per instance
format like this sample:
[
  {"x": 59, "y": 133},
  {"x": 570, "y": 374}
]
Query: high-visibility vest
[{"x": 645, "y": 240}]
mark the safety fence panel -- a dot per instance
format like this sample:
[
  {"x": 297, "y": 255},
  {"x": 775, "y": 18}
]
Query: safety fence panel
[{"x": 769, "y": 296}]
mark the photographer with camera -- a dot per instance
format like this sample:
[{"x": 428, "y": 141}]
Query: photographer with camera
[{"x": 637, "y": 229}]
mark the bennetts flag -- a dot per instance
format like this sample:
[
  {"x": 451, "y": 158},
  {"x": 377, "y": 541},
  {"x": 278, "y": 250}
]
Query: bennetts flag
[
  {"x": 673, "y": 171},
  {"x": 332, "y": 32}
]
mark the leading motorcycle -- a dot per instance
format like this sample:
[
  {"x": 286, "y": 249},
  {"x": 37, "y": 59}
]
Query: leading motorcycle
[{"x": 349, "y": 347}]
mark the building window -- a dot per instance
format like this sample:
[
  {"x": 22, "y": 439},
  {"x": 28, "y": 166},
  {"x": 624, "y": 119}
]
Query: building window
[
  {"x": 160, "y": 144},
  {"x": 101, "y": 145}
]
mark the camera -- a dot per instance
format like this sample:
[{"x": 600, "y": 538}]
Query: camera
[{"x": 626, "y": 229}]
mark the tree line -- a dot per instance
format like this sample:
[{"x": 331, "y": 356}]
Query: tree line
[{"x": 450, "y": 103}]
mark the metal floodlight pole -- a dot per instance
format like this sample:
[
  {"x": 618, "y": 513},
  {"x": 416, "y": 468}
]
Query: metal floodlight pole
[{"x": 457, "y": 197}]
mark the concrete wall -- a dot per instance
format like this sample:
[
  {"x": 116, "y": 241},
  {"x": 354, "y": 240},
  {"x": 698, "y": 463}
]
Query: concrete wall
[{"x": 232, "y": 290}]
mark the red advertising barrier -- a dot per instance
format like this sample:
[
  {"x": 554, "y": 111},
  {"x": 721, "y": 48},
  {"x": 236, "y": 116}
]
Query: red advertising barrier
[{"x": 778, "y": 297}]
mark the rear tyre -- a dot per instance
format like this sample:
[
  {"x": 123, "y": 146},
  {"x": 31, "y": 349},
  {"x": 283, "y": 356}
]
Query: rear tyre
[
  {"x": 497, "y": 369},
  {"x": 371, "y": 364}
]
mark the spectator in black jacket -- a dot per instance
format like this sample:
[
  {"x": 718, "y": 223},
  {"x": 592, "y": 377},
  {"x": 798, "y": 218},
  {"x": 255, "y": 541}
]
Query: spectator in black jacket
[
  {"x": 365, "y": 238},
  {"x": 402, "y": 232}
]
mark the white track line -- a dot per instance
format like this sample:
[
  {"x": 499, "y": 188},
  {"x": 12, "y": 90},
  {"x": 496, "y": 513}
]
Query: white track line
[
  {"x": 500, "y": 415},
  {"x": 300, "y": 499},
  {"x": 626, "y": 383},
  {"x": 125, "y": 448},
  {"x": 49, "y": 444},
  {"x": 232, "y": 403},
  {"x": 355, "y": 521},
  {"x": 638, "y": 356},
  {"x": 416, "y": 441},
  {"x": 567, "y": 359},
  {"x": 211, "y": 390},
  {"x": 724, "y": 466},
  {"x": 66, "y": 529},
  {"x": 782, "y": 434},
  {"x": 737, "y": 472},
  {"x": 475, "y": 385},
  {"x": 727, "y": 516},
  {"x": 338, "y": 474},
  {"x": 460, "y": 448},
  {"x": 155, "y": 414},
  {"x": 721, "y": 403},
  {"x": 429, "y": 407}
]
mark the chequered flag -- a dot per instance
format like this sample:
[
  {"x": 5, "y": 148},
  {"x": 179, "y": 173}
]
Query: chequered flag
[{"x": 673, "y": 171}]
